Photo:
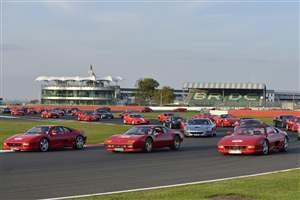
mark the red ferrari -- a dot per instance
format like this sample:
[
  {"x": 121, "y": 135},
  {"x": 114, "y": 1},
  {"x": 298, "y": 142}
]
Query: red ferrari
[
  {"x": 180, "y": 110},
  {"x": 49, "y": 114},
  {"x": 17, "y": 112},
  {"x": 135, "y": 119},
  {"x": 88, "y": 117},
  {"x": 254, "y": 139},
  {"x": 293, "y": 125},
  {"x": 144, "y": 138},
  {"x": 43, "y": 138},
  {"x": 226, "y": 120},
  {"x": 164, "y": 116}
]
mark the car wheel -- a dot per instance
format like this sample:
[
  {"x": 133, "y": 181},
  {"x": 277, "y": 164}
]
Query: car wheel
[
  {"x": 214, "y": 134},
  {"x": 44, "y": 145},
  {"x": 79, "y": 142},
  {"x": 265, "y": 147},
  {"x": 285, "y": 144},
  {"x": 148, "y": 145},
  {"x": 176, "y": 143}
]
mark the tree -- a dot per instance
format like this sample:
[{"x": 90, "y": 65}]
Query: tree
[
  {"x": 164, "y": 96},
  {"x": 146, "y": 90}
]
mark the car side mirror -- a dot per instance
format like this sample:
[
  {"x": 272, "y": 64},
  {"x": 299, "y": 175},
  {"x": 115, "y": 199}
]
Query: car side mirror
[{"x": 229, "y": 133}]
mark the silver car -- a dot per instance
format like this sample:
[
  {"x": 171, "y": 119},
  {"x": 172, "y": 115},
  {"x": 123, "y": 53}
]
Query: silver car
[{"x": 200, "y": 127}]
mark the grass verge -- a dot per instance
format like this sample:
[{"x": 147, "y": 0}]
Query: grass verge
[{"x": 277, "y": 186}]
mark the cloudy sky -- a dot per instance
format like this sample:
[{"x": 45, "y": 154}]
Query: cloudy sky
[{"x": 171, "y": 41}]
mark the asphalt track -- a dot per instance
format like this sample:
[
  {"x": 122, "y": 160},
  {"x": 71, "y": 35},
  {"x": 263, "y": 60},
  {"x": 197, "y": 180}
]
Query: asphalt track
[{"x": 35, "y": 175}]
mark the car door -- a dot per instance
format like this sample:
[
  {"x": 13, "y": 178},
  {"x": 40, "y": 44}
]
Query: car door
[
  {"x": 56, "y": 138},
  {"x": 68, "y": 137},
  {"x": 272, "y": 137}
]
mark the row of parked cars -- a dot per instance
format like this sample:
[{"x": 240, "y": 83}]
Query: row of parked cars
[{"x": 249, "y": 137}]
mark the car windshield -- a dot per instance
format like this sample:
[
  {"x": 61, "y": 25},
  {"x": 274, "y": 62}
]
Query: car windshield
[
  {"x": 38, "y": 130},
  {"x": 198, "y": 122},
  {"x": 250, "y": 121},
  {"x": 289, "y": 117},
  {"x": 136, "y": 116},
  {"x": 227, "y": 116},
  {"x": 139, "y": 131},
  {"x": 250, "y": 131}
]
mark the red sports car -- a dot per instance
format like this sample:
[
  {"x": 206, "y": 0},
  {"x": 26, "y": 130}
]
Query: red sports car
[
  {"x": 49, "y": 114},
  {"x": 293, "y": 125},
  {"x": 88, "y": 117},
  {"x": 146, "y": 109},
  {"x": 135, "y": 119},
  {"x": 254, "y": 139},
  {"x": 123, "y": 114},
  {"x": 17, "y": 112},
  {"x": 43, "y": 138},
  {"x": 77, "y": 113},
  {"x": 144, "y": 138},
  {"x": 226, "y": 120},
  {"x": 164, "y": 116}
]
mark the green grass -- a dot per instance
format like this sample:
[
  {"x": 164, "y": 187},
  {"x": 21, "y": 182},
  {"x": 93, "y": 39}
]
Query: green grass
[
  {"x": 278, "y": 186},
  {"x": 95, "y": 132}
]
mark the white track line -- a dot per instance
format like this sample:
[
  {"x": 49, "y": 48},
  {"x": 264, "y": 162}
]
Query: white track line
[{"x": 170, "y": 186}]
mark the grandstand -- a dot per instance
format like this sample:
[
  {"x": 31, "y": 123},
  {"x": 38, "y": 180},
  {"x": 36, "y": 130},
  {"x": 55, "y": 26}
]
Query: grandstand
[{"x": 225, "y": 94}]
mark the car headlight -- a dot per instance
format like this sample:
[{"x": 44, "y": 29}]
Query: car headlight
[
  {"x": 108, "y": 141},
  {"x": 251, "y": 147},
  {"x": 130, "y": 142},
  {"x": 26, "y": 144}
]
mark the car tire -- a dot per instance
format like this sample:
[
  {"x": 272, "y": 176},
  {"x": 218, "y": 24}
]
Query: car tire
[
  {"x": 79, "y": 142},
  {"x": 148, "y": 145},
  {"x": 44, "y": 145},
  {"x": 285, "y": 145},
  {"x": 176, "y": 143},
  {"x": 265, "y": 147}
]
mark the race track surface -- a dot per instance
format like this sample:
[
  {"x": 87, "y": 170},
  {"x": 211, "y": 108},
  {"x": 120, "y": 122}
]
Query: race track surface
[{"x": 35, "y": 175}]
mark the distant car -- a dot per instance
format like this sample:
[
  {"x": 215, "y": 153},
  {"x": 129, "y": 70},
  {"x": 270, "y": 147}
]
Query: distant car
[
  {"x": 59, "y": 111},
  {"x": 226, "y": 120},
  {"x": 49, "y": 114},
  {"x": 281, "y": 121},
  {"x": 31, "y": 111},
  {"x": 200, "y": 127},
  {"x": 108, "y": 109},
  {"x": 293, "y": 125},
  {"x": 17, "y": 112},
  {"x": 123, "y": 114},
  {"x": 72, "y": 110},
  {"x": 164, "y": 116},
  {"x": 103, "y": 114},
  {"x": 43, "y": 138},
  {"x": 254, "y": 139},
  {"x": 144, "y": 138},
  {"x": 88, "y": 117},
  {"x": 6, "y": 110},
  {"x": 135, "y": 119},
  {"x": 146, "y": 109},
  {"x": 174, "y": 122},
  {"x": 180, "y": 110},
  {"x": 76, "y": 113}
]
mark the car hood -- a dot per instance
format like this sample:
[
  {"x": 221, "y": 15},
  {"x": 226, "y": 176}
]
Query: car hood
[
  {"x": 241, "y": 140},
  {"x": 23, "y": 137},
  {"x": 197, "y": 127},
  {"x": 124, "y": 139}
]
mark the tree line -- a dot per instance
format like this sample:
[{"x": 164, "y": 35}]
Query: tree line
[{"x": 148, "y": 93}]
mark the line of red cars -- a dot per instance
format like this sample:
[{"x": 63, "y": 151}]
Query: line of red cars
[{"x": 249, "y": 136}]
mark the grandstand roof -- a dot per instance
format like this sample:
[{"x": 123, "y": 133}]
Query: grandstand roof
[{"x": 218, "y": 85}]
